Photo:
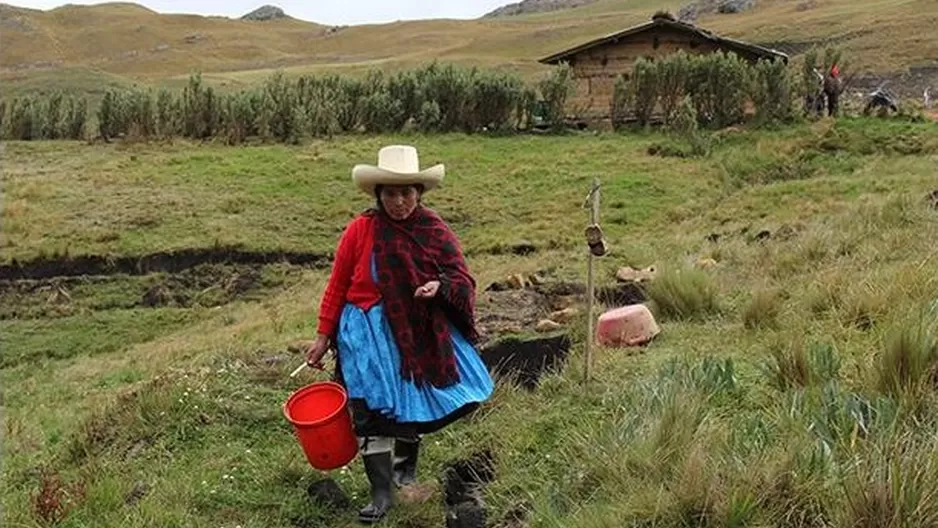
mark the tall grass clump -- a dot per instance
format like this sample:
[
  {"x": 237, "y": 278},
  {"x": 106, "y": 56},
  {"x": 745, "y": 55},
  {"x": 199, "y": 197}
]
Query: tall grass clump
[
  {"x": 684, "y": 294},
  {"x": 893, "y": 485},
  {"x": 763, "y": 309},
  {"x": 907, "y": 365},
  {"x": 792, "y": 364}
]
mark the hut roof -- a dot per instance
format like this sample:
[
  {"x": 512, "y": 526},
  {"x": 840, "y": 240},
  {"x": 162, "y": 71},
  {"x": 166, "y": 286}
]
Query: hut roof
[{"x": 742, "y": 48}]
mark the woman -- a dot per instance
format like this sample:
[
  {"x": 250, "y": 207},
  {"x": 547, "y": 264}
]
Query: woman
[{"x": 399, "y": 308}]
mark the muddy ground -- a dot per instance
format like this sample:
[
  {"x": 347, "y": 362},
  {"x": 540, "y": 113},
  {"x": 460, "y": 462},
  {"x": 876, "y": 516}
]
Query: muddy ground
[{"x": 204, "y": 285}]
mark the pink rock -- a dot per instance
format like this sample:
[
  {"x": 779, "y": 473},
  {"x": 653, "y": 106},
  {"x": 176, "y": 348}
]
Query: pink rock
[{"x": 627, "y": 326}]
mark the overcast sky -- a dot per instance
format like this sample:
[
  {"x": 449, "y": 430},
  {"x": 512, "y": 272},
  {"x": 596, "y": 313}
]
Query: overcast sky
[{"x": 334, "y": 12}]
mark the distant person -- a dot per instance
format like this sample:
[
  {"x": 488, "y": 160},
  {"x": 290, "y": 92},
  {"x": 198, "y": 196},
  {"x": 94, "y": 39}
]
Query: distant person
[
  {"x": 833, "y": 86},
  {"x": 399, "y": 308}
]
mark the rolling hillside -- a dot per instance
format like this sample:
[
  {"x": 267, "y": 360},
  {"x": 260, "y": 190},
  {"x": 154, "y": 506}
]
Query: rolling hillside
[{"x": 88, "y": 47}]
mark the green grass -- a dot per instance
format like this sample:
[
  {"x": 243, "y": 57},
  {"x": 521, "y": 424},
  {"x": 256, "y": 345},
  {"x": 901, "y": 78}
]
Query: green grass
[{"x": 803, "y": 400}]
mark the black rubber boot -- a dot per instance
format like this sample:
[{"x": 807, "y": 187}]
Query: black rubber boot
[
  {"x": 406, "y": 451},
  {"x": 379, "y": 468}
]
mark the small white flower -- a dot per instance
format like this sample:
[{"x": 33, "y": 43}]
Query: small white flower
[
  {"x": 204, "y": 483},
  {"x": 196, "y": 407},
  {"x": 248, "y": 451},
  {"x": 248, "y": 397},
  {"x": 225, "y": 477},
  {"x": 180, "y": 400}
]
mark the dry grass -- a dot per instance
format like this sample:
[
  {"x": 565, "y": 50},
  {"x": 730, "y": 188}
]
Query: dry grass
[{"x": 763, "y": 309}]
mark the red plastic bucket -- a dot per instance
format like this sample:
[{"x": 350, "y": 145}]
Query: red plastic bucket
[{"x": 323, "y": 425}]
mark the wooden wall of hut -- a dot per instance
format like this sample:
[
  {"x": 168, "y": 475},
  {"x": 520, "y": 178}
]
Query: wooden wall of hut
[{"x": 596, "y": 69}]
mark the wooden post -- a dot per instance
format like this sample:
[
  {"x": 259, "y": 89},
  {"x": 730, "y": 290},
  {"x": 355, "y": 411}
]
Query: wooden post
[{"x": 592, "y": 200}]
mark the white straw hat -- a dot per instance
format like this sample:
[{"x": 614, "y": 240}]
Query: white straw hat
[{"x": 397, "y": 165}]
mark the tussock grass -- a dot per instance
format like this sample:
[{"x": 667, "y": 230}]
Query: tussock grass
[
  {"x": 907, "y": 365},
  {"x": 763, "y": 309},
  {"x": 684, "y": 294},
  {"x": 894, "y": 485},
  {"x": 793, "y": 364}
]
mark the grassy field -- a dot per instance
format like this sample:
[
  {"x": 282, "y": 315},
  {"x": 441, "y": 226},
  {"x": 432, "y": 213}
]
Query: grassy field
[
  {"x": 68, "y": 45},
  {"x": 793, "y": 383}
]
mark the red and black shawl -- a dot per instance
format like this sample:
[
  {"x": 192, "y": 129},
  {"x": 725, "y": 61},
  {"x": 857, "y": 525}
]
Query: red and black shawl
[{"x": 408, "y": 254}]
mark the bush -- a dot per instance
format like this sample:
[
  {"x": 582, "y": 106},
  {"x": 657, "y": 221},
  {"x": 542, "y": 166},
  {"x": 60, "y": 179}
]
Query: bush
[
  {"x": 643, "y": 90},
  {"x": 685, "y": 294},
  {"x": 280, "y": 103},
  {"x": 110, "y": 123},
  {"x": 555, "y": 89},
  {"x": 430, "y": 117},
  {"x": 621, "y": 102},
  {"x": 687, "y": 141},
  {"x": 772, "y": 92},
  {"x": 239, "y": 117},
  {"x": 525, "y": 109},
  {"x": 672, "y": 74},
  {"x": 167, "y": 114},
  {"x": 60, "y": 116},
  {"x": 495, "y": 97},
  {"x": 449, "y": 88}
]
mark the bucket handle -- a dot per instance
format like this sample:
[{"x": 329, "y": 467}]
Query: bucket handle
[{"x": 299, "y": 369}]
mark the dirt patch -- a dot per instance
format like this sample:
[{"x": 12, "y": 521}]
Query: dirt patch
[
  {"x": 207, "y": 285},
  {"x": 463, "y": 481},
  {"x": 211, "y": 285},
  {"x": 164, "y": 261},
  {"x": 328, "y": 493},
  {"x": 525, "y": 361},
  {"x": 510, "y": 312}
]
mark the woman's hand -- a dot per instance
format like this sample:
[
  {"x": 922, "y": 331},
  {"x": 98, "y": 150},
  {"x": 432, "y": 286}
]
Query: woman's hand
[
  {"x": 316, "y": 351},
  {"x": 428, "y": 290}
]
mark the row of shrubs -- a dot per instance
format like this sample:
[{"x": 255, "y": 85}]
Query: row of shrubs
[
  {"x": 719, "y": 86},
  {"x": 712, "y": 90},
  {"x": 434, "y": 98},
  {"x": 56, "y": 117}
]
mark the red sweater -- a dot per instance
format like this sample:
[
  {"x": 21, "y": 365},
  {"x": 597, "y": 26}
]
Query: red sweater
[{"x": 350, "y": 281}]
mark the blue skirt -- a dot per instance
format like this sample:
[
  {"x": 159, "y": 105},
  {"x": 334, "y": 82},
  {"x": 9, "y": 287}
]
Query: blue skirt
[{"x": 370, "y": 365}]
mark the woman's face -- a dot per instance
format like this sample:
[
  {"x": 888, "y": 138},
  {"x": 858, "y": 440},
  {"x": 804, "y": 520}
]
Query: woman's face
[{"x": 399, "y": 201}]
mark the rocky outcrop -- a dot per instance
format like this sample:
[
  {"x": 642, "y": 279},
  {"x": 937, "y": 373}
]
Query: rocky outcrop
[
  {"x": 689, "y": 12},
  {"x": 267, "y": 12},
  {"x": 535, "y": 6}
]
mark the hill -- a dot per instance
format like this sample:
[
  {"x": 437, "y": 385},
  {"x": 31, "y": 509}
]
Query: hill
[{"x": 882, "y": 38}]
